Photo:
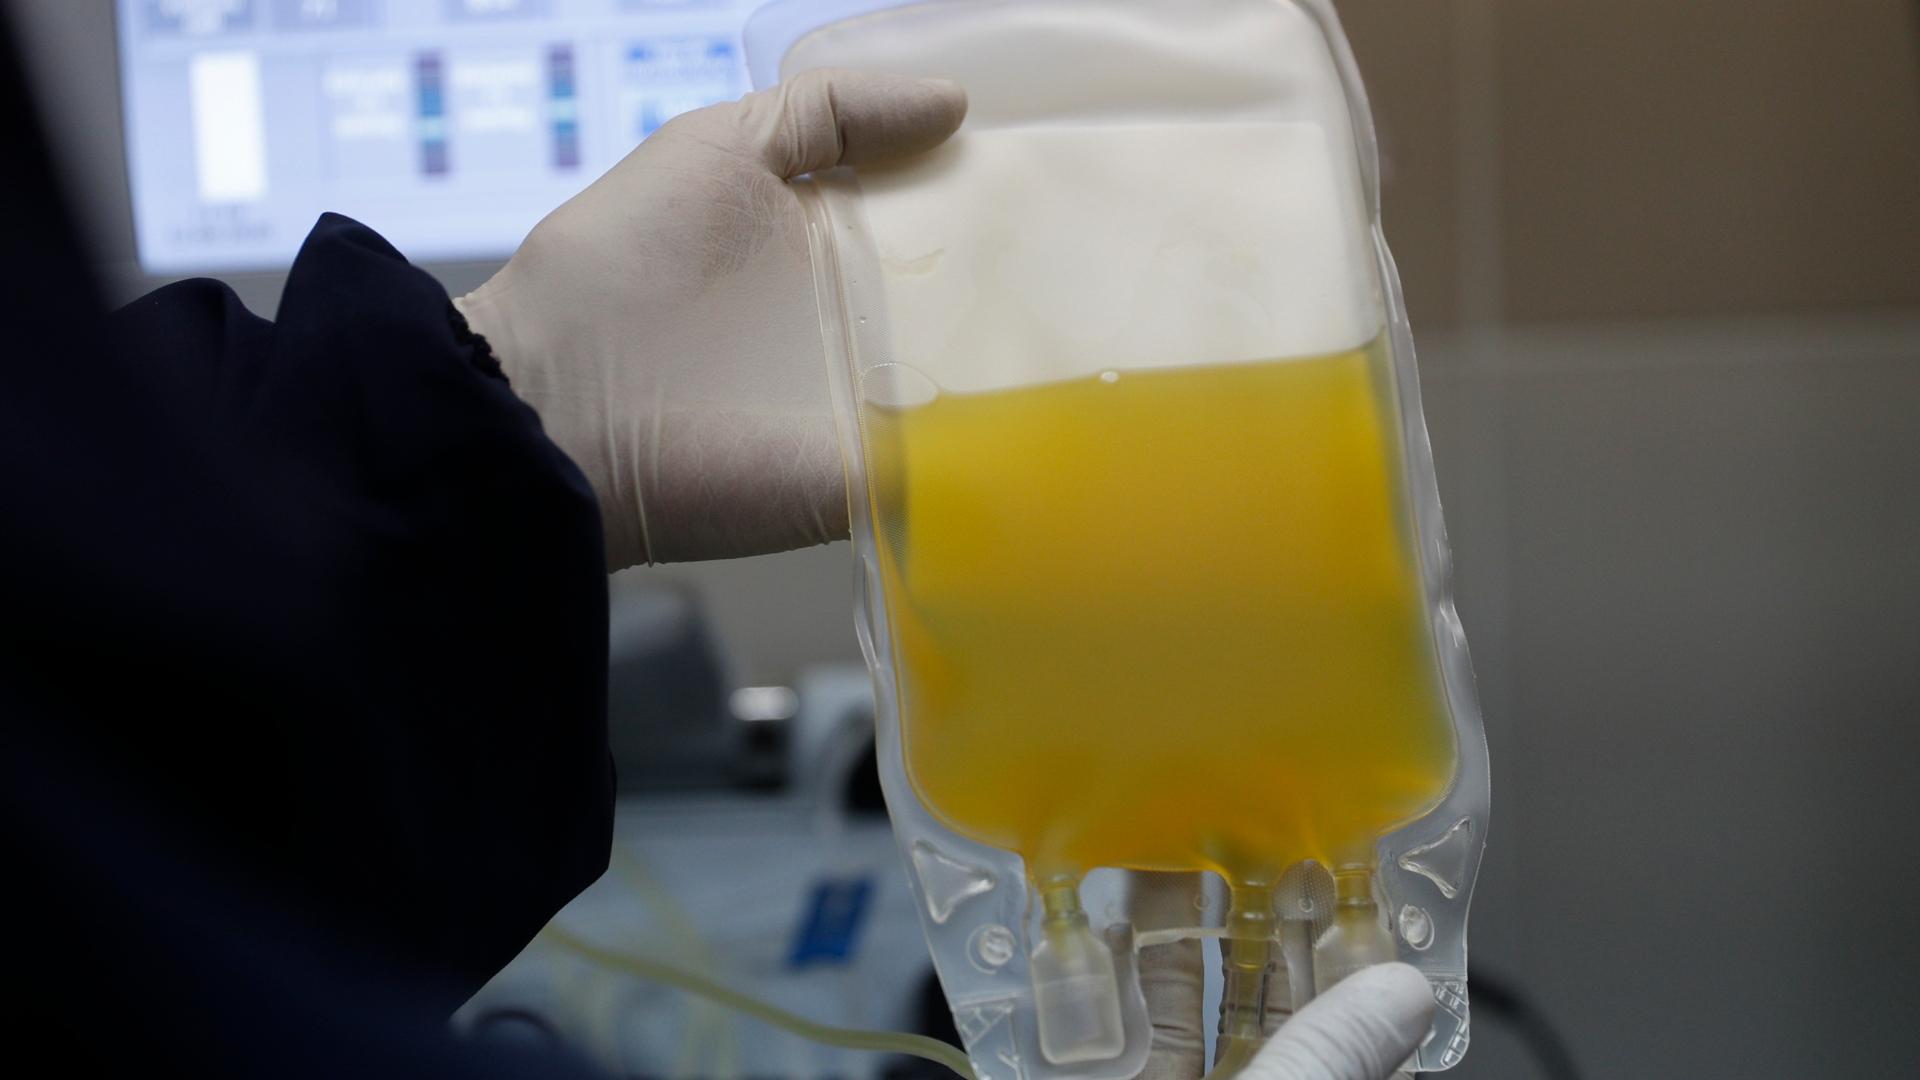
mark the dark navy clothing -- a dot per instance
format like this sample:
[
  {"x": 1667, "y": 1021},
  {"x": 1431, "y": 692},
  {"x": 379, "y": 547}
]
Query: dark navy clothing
[{"x": 302, "y": 663}]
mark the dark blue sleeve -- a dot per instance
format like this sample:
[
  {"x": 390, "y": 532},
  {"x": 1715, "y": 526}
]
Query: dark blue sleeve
[
  {"x": 321, "y": 599},
  {"x": 302, "y": 659}
]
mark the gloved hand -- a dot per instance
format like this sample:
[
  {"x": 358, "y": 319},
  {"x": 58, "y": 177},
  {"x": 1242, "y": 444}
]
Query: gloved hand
[
  {"x": 663, "y": 321},
  {"x": 1364, "y": 1028}
]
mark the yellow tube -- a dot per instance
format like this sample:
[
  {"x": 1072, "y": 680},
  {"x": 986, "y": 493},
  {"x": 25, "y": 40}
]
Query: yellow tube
[
  {"x": 1247, "y": 959},
  {"x": 708, "y": 1025},
  {"x": 893, "y": 1042}
]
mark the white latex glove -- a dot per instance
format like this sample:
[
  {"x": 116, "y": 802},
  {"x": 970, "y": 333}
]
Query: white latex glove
[
  {"x": 663, "y": 321},
  {"x": 1364, "y": 1028}
]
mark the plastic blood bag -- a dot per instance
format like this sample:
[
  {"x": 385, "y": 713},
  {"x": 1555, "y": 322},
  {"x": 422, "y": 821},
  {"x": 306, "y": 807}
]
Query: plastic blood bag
[{"x": 1154, "y": 573}]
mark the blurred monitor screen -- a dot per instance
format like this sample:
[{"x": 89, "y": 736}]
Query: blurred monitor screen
[{"x": 451, "y": 126}]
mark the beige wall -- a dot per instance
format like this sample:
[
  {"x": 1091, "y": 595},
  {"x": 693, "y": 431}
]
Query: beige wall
[{"x": 1647, "y": 158}]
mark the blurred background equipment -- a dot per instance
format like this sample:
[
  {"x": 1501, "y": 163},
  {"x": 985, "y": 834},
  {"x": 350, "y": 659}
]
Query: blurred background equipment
[
  {"x": 751, "y": 849},
  {"x": 451, "y": 126},
  {"x": 1661, "y": 259}
]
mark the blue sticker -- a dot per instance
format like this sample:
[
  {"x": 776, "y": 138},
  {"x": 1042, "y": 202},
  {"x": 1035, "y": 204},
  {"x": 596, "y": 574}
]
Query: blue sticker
[{"x": 831, "y": 923}]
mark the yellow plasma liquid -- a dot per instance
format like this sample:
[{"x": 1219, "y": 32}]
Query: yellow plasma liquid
[{"x": 1165, "y": 619}]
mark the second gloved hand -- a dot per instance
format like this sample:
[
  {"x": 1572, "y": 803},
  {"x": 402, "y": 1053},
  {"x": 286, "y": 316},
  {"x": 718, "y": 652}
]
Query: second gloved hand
[
  {"x": 1363, "y": 1028},
  {"x": 663, "y": 322}
]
